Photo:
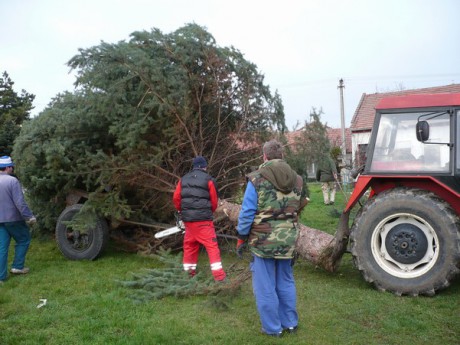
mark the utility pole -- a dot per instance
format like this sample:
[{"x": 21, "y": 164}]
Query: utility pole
[{"x": 342, "y": 116}]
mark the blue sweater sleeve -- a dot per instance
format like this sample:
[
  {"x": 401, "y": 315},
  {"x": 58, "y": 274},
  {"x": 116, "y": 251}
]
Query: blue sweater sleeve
[
  {"x": 20, "y": 202},
  {"x": 248, "y": 210}
]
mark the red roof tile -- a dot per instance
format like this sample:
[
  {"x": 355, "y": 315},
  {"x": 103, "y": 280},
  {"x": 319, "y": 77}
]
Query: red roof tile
[
  {"x": 335, "y": 137},
  {"x": 363, "y": 118}
]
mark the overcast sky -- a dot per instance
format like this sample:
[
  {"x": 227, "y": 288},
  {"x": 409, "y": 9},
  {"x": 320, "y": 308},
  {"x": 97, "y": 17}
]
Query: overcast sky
[{"x": 303, "y": 47}]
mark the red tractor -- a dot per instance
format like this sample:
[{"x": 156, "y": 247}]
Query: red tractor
[{"x": 406, "y": 237}]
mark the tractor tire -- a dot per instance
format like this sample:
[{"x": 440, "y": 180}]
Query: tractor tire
[
  {"x": 75, "y": 245},
  {"x": 407, "y": 241}
]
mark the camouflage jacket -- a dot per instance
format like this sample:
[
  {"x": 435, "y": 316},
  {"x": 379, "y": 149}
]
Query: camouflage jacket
[
  {"x": 326, "y": 170},
  {"x": 279, "y": 189}
]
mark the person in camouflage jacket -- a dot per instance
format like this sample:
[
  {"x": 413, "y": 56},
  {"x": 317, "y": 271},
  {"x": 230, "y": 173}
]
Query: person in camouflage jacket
[
  {"x": 267, "y": 223},
  {"x": 326, "y": 173}
]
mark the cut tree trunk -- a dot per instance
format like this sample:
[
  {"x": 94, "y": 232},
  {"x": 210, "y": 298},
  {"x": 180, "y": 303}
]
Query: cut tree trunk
[{"x": 315, "y": 246}]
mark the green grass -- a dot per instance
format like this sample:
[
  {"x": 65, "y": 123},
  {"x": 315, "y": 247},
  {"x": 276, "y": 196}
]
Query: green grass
[
  {"x": 85, "y": 305},
  {"x": 319, "y": 216}
]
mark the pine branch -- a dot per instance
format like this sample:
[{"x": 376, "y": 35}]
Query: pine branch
[{"x": 172, "y": 280}]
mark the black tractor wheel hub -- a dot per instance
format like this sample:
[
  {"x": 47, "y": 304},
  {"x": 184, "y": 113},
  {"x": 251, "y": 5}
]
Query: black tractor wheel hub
[{"x": 406, "y": 243}]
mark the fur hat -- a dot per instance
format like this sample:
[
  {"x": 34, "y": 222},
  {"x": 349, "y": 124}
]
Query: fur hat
[
  {"x": 199, "y": 162},
  {"x": 6, "y": 162}
]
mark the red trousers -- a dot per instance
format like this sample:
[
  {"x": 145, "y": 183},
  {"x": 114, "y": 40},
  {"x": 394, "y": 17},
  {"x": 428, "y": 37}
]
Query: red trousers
[{"x": 197, "y": 233}]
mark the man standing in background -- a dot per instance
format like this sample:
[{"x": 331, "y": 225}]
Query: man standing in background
[
  {"x": 327, "y": 175},
  {"x": 14, "y": 212}
]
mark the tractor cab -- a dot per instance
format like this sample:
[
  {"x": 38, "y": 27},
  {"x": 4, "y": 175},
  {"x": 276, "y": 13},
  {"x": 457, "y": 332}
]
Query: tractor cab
[
  {"x": 414, "y": 142},
  {"x": 415, "y": 134}
]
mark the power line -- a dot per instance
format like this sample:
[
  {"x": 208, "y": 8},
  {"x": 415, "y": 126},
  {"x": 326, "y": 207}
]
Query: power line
[{"x": 376, "y": 78}]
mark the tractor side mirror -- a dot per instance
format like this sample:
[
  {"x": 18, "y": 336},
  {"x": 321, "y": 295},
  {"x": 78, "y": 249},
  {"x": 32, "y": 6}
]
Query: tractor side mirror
[{"x": 422, "y": 131}]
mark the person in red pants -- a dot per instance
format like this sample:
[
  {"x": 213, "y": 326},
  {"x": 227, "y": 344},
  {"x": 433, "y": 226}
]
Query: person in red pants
[{"x": 196, "y": 197}]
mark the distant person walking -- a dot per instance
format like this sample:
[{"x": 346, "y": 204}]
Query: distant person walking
[
  {"x": 196, "y": 198},
  {"x": 326, "y": 173},
  {"x": 14, "y": 213}
]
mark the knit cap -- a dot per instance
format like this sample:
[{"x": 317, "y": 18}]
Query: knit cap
[
  {"x": 6, "y": 162},
  {"x": 199, "y": 162}
]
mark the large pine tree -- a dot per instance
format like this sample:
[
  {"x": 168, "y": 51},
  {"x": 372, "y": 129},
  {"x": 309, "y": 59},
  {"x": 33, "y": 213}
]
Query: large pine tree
[{"x": 141, "y": 111}]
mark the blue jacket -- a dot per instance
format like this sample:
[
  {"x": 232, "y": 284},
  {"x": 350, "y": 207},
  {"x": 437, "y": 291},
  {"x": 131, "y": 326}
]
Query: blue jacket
[{"x": 248, "y": 210}]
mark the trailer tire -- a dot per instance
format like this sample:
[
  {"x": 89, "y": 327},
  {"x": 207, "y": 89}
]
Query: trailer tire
[
  {"x": 80, "y": 246},
  {"x": 407, "y": 241}
]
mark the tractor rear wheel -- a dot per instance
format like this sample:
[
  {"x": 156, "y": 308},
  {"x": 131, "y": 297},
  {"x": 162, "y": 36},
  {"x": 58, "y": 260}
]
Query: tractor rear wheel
[
  {"x": 407, "y": 241},
  {"x": 80, "y": 245}
]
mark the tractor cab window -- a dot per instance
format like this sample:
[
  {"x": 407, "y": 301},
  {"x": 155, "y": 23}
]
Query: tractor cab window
[{"x": 397, "y": 149}]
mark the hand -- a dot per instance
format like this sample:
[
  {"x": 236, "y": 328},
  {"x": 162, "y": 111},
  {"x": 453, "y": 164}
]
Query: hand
[
  {"x": 303, "y": 203},
  {"x": 31, "y": 221},
  {"x": 240, "y": 247}
]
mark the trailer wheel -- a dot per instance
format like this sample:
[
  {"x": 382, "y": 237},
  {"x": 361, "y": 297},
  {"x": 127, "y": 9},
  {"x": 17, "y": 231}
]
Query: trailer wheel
[
  {"x": 77, "y": 245},
  {"x": 407, "y": 241}
]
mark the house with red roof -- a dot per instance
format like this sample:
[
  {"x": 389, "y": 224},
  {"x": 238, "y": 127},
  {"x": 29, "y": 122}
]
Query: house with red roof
[{"x": 363, "y": 118}]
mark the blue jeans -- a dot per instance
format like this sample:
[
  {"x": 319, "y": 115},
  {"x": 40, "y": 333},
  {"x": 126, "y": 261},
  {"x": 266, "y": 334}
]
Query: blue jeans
[
  {"x": 19, "y": 231},
  {"x": 275, "y": 292}
]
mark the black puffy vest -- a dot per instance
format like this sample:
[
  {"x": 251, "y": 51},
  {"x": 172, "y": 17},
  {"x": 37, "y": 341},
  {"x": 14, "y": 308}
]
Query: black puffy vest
[{"x": 195, "y": 199}]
